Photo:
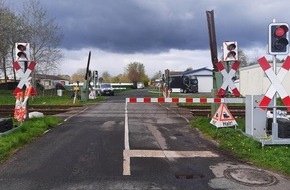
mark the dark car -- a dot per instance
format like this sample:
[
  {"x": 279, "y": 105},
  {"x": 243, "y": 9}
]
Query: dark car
[{"x": 106, "y": 89}]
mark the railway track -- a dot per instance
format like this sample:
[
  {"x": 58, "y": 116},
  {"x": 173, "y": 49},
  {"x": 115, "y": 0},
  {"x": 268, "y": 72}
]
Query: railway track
[
  {"x": 8, "y": 110},
  {"x": 197, "y": 110},
  {"x": 236, "y": 111},
  {"x": 205, "y": 110}
]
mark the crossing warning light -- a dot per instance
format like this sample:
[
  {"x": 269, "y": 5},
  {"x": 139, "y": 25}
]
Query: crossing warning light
[
  {"x": 278, "y": 38},
  {"x": 22, "y": 52},
  {"x": 96, "y": 74},
  {"x": 230, "y": 50}
]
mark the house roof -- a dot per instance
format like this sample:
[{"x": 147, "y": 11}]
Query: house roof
[
  {"x": 196, "y": 71},
  {"x": 176, "y": 73},
  {"x": 50, "y": 77},
  {"x": 204, "y": 71}
]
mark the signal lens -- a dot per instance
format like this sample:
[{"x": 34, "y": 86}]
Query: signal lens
[
  {"x": 279, "y": 32},
  {"x": 21, "y": 47},
  {"x": 231, "y": 47}
]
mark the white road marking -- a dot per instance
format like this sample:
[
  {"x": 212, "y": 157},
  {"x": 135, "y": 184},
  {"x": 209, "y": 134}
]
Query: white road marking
[
  {"x": 46, "y": 131},
  {"x": 127, "y": 147},
  {"x": 168, "y": 154},
  {"x": 128, "y": 154},
  {"x": 126, "y": 163},
  {"x": 75, "y": 114}
]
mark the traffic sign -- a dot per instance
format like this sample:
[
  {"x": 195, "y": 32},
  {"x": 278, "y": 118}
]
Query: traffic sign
[
  {"x": 276, "y": 80},
  {"x": 223, "y": 117},
  {"x": 228, "y": 82},
  {"x": 23, "y": 76}
]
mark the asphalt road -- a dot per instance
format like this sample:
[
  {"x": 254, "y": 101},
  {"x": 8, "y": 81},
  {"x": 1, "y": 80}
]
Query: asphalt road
[{"x": 150, "y": 147}]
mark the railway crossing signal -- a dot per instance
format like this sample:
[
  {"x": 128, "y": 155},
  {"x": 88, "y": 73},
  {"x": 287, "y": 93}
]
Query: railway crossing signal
[
  {"x": 228, "y": 82},
  {"x": 22, "y": 52},
  {"x": 22, "y": 55},
  {"x": 96, "y": 74},
  {"x": 21, "y": 106},
  {"x": 278, "y": 38},
  {"x": 230, "y": 51},
  {"x": 24, "y": 76},
  {"x": 276, "y": 80}
]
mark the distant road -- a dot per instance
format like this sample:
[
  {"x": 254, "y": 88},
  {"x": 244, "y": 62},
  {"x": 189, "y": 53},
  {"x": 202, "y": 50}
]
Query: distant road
[{"x": 92, "y": 149}]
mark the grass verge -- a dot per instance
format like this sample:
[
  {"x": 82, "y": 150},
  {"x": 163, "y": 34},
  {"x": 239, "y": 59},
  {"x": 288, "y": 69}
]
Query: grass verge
[
  {"x": 7, "y": 98},
  {"x": 24, "y": 134},
  {"x": 273, "y": 157}
]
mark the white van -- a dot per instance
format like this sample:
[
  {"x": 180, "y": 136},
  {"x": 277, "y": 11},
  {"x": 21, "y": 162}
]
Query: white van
[{"x": 140, "y": 85}]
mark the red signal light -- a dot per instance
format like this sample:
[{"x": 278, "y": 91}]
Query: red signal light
[
  {"x": 280, "y": 31},
  {"x": 278, "y": 38}
]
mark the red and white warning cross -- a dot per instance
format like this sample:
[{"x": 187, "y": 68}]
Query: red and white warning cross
[
  {"x": 276, "y": 80},
  {"x": 23, "y": 76},
  {"x": 228, "y": 82}
]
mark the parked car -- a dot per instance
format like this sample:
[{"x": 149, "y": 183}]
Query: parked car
[
  {"x": 106, "y": 89},
  {"x": 140, "y": 85}
]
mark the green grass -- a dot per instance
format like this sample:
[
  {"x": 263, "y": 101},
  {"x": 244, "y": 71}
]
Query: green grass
[
  {"x": 274, "y": 157},
  {"x": 27, "y": 132},
  {"x": 49, "y": 98}
]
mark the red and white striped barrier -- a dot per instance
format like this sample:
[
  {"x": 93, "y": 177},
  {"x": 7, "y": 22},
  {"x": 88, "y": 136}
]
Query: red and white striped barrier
[
  {"x": 228, "y": 79},
  {"x": 184, "y": 100},
  {"x": 23, "y": 76},
  {"x": 276, "y": 80}
]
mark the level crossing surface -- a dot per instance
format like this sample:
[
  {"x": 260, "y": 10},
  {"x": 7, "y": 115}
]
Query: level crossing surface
[{"x": 87, "y": 151}]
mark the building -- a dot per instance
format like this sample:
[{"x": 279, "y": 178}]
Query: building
[
  {"x": 50, "y": 81},
  {"x": 254, "y": 81},
  {"x": 204, "y": 77}
]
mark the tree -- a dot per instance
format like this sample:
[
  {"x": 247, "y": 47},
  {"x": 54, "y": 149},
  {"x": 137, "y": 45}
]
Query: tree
[
  {"x": 79, "y": 75},
  {"x": 106, "y": 77},
  {"x": 136, "y": 72},
  {"x": 44, "y": 36},
  {"x": 156, "y": 75},
  {"x": 8, "y": 25},
  {"x": 243, "y": 58}
]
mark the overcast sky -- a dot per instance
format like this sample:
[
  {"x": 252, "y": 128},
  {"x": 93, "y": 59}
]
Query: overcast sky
[{"x": 161, "y": 34}]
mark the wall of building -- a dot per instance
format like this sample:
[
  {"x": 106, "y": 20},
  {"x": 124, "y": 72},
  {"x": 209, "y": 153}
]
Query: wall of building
[
  {"x": 253, "y": 81},
  {"x": 205, "y": 80},
  {"x": 205, "y": 83}
]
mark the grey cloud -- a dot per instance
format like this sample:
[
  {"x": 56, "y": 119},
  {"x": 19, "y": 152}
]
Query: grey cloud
[{"x": 129, "y": 26}]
